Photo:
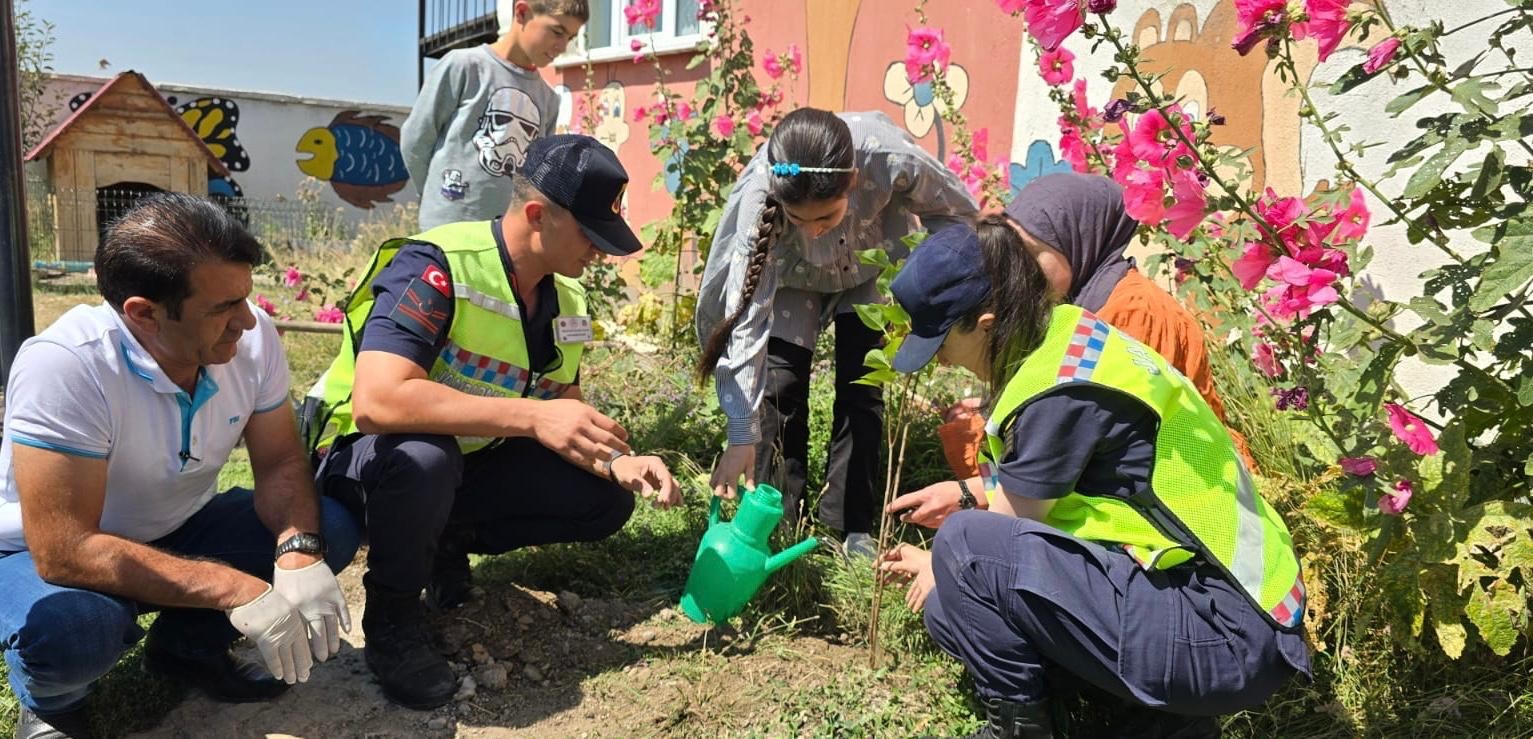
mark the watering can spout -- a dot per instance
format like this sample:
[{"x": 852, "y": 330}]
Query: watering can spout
[{"x": 786, "y": 556}]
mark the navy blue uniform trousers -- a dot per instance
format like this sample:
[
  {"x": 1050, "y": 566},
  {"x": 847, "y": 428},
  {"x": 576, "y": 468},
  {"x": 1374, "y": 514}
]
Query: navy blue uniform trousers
[
  {"x": 406, "y": 488},
  {"x": 1017, "y": 601}
]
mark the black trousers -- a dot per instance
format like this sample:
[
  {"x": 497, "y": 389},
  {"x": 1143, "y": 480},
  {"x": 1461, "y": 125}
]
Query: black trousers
[
  {"x": 408, "y": 488},
  {"x": 857, "y": 429}
]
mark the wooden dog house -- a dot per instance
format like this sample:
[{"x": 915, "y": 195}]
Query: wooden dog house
[{"x": 124, "y": 142}]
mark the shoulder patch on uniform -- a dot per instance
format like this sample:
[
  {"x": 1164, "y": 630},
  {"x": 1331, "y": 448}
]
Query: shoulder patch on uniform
[{"x": 422, "y": 310}]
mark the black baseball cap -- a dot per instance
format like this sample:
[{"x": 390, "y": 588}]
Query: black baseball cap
[
  {"x": 581, "y": 175},
  {"x": 942, "y": 281}
]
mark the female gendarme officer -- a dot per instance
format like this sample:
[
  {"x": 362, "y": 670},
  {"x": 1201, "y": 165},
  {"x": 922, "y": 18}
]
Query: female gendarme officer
[{"x": 1125, "y": 545}]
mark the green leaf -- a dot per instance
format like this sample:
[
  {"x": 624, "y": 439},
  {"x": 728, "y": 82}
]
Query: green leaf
[
  {"x": 1350, "y": 79},
  {"x": 1400, "y": 104},
  {"x": 1399, "y": 582},
  {"x": 1445, "y": 601},
  {"x": 657, "y": 269},
  {"x": 878, "y": 378},
  {"x": 876, "y": 359},
  {"x": 1375, "y": 379},
  {"x": 1513, "y": 264},
  {"x": 1471, "y": 94},
  {"x": 1430, "y": 173},
  {"x": 1492, "y": 170},
  {"x": 872, "y": 315},
  {"x": 1445, "y": 475},
  {"x": 697, "y": 60},
  {"x": 1342, "y": 507},
  {"x": 1499, "y": 613}
]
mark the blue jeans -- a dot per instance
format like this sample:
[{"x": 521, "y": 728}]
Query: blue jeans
[{"x": 58, "y": 640}]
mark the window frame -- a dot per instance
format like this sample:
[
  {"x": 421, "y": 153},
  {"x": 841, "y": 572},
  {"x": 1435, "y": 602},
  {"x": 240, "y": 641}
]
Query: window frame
[{"x": 661, "y": 41}]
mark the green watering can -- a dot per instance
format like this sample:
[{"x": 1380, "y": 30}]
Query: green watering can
[{"x": 733, "y": 558}]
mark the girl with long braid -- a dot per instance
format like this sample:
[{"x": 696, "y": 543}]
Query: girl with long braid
[{"x": 783, "y": 266}]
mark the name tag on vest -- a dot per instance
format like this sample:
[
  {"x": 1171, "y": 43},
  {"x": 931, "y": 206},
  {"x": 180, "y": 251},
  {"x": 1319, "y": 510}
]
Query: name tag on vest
[{"x": 572, "y": 329}]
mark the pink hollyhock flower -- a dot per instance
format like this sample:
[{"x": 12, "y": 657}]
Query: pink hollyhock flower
[
  {"x": 754, "y": 122},
  {"x": 925, "y": 51},
  {"x": 1352, "y": 222},
  {"x": 1265, "y": 359},
  {"x": 1072, "y": 147},
  {"x": 1153, "y": 139},
  {"x": 1144, "y": 193},
  {"x": 1052, "y": 21},
  {"x": 640, "y": 113},
  {"x": 637, "y": 47},
  {"x": 1257, "y": 19},
  {"x": 772, "y": 64},
  {"x": 1083, "y": 108},
  {"x": 1056, "y": 66},
  {"x": 642, "y": 12},
  {"x": 795, "y": 59},
  {"x": 266, "y": 305},
  {"x": 1358, "y": 466},
  {"x": 1327, "y": 23},
  {"x": 1011, "y": 6},
  {"x": 979, "y": 144},
  {"x": 302, "y": 295},
  {"x": 329, "y": 314},
  {"x": 1253, "y": 264},
  {"x": 1101, "y": 7},
  {"x": 955, "y": 164},
  {"x": 1411, "y": 430},
  {"x": 1191, "y": 204},
  {"x": 1393, "y": 503},
  {"x": 684, "y": 111},
  {"x": 1381, "y": 55},
  {"x": 292, "y": 277},
  {"x": 724, "y": 126}
]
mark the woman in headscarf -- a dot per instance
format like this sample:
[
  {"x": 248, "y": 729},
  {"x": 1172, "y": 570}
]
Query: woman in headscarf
[{"x": 1075, "y": 226}]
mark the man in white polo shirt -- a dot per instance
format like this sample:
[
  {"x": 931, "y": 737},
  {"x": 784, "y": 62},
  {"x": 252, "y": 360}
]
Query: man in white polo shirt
[{"x": 118, "y": 418}]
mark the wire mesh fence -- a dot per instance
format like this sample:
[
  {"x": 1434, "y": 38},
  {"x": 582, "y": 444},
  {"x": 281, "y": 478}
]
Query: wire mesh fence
[{"x": 65, "y": 224}]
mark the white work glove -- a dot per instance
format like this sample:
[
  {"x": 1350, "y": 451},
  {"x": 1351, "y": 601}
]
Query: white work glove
[
  {"x": 277, "y": 630},
  {"x": 316, "y": 595}
]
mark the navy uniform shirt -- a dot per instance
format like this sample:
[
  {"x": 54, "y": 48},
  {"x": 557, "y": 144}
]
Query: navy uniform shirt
[{"x": 414, "y": 308}]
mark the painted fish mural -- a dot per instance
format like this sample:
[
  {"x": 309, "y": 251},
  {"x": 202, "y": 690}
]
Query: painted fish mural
[{"x": 358, "y": 155}]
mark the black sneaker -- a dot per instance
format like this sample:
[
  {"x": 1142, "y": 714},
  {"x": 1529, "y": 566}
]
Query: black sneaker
[
  {"x": 402, "y": 654},
  {"x": 213, "y": 671},
  {"x": 62, "y": 725}
]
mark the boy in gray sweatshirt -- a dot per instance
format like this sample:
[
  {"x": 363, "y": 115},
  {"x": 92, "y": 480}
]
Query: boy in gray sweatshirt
[{"x": 479, "y": 110}]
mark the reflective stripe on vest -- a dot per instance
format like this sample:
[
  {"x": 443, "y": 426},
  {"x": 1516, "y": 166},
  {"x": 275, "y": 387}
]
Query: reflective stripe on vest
[{"x": 1201, "y": 501}]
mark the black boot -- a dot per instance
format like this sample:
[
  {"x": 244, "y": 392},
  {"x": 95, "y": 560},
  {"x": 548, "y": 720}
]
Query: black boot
[
  {"x": 402, "y": 654},
  {"x": 1013, "y": 720},
  {"x": 212, "y": 670},
  {"x": 62, "y": 725},
  {"x": 451, "y": 579}
]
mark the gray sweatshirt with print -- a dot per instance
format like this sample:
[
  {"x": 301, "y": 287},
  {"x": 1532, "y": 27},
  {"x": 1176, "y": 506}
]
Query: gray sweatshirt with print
[{"x": 469, "y": 131}]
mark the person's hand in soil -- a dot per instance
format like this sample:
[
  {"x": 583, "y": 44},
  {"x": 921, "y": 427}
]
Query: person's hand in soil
[
  {"x": 649, "y": 477},
  {"x": 578, "y": 432},
  {"x": 739, "y": 460},
  {"x": 927, "y": 507},
  {"x": 909, "y": 562}
]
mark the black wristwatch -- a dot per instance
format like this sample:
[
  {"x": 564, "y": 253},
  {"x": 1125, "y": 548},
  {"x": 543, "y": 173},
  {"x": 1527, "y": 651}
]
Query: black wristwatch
[
  {"x": 304, "y": 542},
  {"x": 966, "y": 500}
]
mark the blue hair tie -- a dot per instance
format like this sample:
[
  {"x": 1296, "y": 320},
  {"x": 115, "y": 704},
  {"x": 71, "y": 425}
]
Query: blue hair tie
[{"x": 793, "y": 169}]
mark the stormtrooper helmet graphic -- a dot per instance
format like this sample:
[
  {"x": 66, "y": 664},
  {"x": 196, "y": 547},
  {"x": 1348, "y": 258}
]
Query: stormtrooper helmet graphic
[{"x": 508, "y": 125}]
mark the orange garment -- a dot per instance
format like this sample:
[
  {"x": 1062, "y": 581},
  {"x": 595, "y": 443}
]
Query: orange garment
[{"x": 1145, "y": 311}]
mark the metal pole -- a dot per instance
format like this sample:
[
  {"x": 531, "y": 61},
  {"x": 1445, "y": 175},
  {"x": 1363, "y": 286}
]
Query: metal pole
[
  {"x": 16, "y": 321},
  {"x": 420, "y": 50}
]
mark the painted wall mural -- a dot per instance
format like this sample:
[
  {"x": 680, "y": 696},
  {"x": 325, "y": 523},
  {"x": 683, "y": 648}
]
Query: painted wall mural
[
  {"x": 214, "y": 120},
  {"x": 923, "y": 111},
  {"x": 611, "y": 127},
  {"x": 358, "y": 155},
  {"x": 1040, "y": 161}
]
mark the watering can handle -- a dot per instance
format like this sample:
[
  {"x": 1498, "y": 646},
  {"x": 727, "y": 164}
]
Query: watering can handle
[{"x": 713, "y": 510}]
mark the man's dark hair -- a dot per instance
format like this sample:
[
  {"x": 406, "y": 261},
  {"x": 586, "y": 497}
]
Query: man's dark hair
[{"x": 151, "y": 250}]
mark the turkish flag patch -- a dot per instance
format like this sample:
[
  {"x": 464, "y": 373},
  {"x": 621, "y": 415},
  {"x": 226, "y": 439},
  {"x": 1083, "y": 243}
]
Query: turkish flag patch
[
  {"x": 422, "y": 311},
  {"x": 435, "y": 277}
]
